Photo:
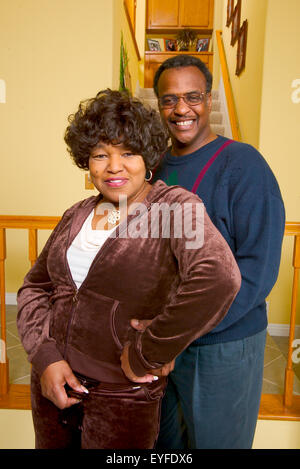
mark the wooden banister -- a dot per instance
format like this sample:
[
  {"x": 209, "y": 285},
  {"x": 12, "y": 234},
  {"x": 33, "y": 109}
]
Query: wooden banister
[
  {"x": 132, "y": 31},
  {"x": 289, "y": 372},
  {"x": 286, "y": 407},
  {"x": 32, "y": 224},
  {"x": 227, "y": 86}
]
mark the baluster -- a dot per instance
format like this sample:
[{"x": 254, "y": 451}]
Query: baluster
[
  {"x": 289, "y": 372},
  {"x": 33, "y": 245}
]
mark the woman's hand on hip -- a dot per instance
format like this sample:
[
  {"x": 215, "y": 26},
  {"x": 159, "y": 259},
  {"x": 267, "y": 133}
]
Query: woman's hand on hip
[
  {"x": 53, "y": 381},
  {"x": 141, "y": 325},
  {"x": 147, "y": 378}
]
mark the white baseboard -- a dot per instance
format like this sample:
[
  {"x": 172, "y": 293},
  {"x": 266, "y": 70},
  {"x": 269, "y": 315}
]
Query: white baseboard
[
  {"x": 282, "y": 330},
  {"x": 10, "y": 298}
]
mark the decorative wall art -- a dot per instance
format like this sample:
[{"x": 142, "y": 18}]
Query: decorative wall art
[
  {"x": 238, "y": 33},
  {"x": 235, "y": 23},
  {"x": 230, "y": 8},
  {"x": 242, "y": 45}
]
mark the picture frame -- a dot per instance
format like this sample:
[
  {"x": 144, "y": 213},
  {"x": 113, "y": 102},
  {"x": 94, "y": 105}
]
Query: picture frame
[
  {"x": 202, "y": 44},
  {"x": 235, "y": 23},
  {"x": 242, "y": 47},
  {"x": 170, "y": 45},
  {"x": 230, "y": 9},
  {"x": 154, "y": 45}
]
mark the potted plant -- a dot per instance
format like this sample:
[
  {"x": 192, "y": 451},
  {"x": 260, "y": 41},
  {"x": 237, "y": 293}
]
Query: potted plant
[{"x": 186, "y": 39}]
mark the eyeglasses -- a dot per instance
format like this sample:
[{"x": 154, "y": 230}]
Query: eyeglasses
[{"x": 191, "y": 99}]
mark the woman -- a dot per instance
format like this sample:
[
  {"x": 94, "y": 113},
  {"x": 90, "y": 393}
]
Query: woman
[{"x": 97, "y": 382}]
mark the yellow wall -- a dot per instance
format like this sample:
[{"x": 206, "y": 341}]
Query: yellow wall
[
  {"x": 279, "y": 129},
  {"x": 267, "y": 115},
  {"x": 53, "y": 54},
  {"x": 248, "y": 86}
]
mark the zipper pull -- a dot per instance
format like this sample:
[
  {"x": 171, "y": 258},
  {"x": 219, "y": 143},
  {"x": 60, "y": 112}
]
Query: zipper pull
[{"x": 75, "y": 299}]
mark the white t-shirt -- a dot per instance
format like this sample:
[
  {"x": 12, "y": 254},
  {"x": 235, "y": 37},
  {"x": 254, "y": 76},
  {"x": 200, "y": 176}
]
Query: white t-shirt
[{"x": 84, "y": 248}]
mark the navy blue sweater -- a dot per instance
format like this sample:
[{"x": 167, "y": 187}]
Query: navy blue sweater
[{"x": 242, "y": 198}]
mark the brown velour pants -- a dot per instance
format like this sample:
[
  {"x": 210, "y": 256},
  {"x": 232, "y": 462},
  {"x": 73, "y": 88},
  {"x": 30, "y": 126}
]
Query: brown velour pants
[{"x": 110, "y": 417}]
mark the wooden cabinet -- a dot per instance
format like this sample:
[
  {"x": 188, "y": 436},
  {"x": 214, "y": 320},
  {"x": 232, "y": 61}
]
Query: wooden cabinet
[
  {"x": 196, "y": 14},
  {"x": 168, "y": 17},
  {"x": 154, "y": 59},
  {"x": 171, "y": 15},
  {"x": 162, "y": 14}
]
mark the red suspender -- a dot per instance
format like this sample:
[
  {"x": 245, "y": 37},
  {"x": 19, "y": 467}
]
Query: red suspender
[{"x": 208, "y": 164}]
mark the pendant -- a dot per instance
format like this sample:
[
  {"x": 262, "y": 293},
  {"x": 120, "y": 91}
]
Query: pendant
[{"x": 113, "y": 217}]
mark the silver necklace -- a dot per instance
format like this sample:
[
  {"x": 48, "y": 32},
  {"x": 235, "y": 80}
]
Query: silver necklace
[{"x": 113, "y": 217}]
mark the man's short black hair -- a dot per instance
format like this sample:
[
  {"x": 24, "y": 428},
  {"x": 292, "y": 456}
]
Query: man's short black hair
[{"x": 180, "y": 61}]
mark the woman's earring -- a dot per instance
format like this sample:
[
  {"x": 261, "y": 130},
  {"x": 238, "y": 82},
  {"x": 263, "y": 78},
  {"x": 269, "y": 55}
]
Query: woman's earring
[
  {"x": 147, "y": 179},
  {"x": 89, "y": 177}
]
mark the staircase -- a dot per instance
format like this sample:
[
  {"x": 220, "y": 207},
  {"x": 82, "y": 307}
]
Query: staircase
[{"x": 147, "y": 96}]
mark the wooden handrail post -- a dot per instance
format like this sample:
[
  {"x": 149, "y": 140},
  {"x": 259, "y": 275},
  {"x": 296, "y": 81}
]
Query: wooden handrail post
[
  {"x": 4, "y": 370},
  {"x": 32, "y": 224},
  {"x": 289, "y": 372},
  {"x": 33, "y": 245}
]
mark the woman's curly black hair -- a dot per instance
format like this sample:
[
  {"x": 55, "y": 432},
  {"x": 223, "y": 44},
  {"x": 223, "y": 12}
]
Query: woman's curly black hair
[{"x": 115, "y": 117}]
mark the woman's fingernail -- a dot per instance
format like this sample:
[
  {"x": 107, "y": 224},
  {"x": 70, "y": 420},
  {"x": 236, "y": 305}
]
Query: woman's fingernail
[
  {"x": 135, "y": 322},
  {"x": 155, "y": 378},
  {"x": 83, "y": 389}
]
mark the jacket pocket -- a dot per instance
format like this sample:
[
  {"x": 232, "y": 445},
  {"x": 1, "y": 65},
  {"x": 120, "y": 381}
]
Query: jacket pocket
[
  {"x": 91, "y": 329},
  {"x": 120, "y": 325}
]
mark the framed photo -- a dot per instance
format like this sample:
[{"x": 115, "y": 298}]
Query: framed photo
[
  {"x": 242, "y": 46},
  {"x": 202, "y": 44},
  {"x": 230, "y": 8},
  {"x": 170, "y": 45},
  {"x": 235, "y": 23},
  {"x": 154, "y": 45}
]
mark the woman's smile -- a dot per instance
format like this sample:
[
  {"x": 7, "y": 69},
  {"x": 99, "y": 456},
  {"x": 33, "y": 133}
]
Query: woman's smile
[
  {"x": 116, "y": 171},
  {"x": 116, "y": 182}
]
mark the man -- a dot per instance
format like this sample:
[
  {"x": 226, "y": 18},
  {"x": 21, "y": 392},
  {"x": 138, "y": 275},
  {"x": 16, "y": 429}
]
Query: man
[{"x": 216, "y": 383}]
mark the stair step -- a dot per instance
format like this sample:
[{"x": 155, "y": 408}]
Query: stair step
[
  {"x": 216, "y": 106},
  {"x": 150, "y": 102},
  {"x": 146, "y": 93},
  {"x": 216, "y": 117},
  {"x": 218, "y": 129}
]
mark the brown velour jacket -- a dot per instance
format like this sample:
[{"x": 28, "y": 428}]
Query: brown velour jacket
[{"x": 186, "y": 291}]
